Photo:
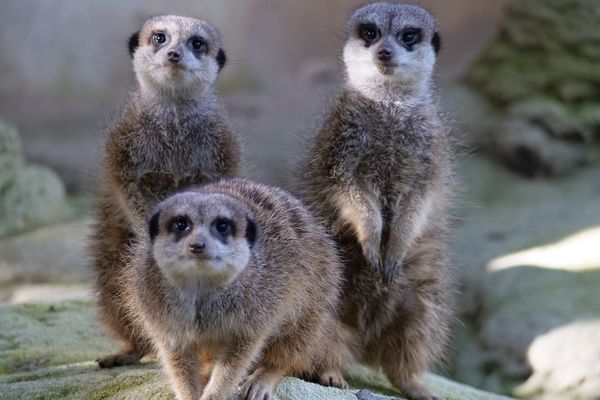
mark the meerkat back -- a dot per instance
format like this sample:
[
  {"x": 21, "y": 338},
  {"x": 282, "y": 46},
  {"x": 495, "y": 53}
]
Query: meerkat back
[{"x": 174, "y": 133}]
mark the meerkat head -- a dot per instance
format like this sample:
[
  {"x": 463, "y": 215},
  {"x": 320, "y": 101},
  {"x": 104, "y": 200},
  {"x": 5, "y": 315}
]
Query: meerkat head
[
  {"x": 178, "y": 56},
  {"x": 202, "y": 239},
  {"x": 391, "y": 46}
]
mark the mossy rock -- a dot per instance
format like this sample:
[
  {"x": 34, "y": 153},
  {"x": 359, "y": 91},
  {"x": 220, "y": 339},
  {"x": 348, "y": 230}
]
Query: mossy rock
[
  {"x": 52, "y": 254},
  {"x": 30, "y": 196},
  {"x": 528, "y": 252},
  {"x": 547, "y": 47},
  {"x": 542, "y": 68},
  {"x": 47, "y": 352},
  {"x": 10, "y": 151}
]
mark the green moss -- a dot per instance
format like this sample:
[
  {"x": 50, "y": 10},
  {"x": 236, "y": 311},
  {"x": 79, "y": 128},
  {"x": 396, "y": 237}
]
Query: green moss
[{"x": 66, "y": 337}]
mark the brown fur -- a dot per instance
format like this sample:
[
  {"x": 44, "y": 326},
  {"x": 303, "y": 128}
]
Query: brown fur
[
  {"x": 379, "y": 173},
  {"x": 277, "y": 311},
  {"x": 163, "y": 142}
]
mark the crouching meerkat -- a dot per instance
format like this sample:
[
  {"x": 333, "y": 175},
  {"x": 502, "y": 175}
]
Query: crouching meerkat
[
  {"x": 379, "y": 173},
  {"x": 232, "y": 275},
  {"x": 173, "y": 133}
]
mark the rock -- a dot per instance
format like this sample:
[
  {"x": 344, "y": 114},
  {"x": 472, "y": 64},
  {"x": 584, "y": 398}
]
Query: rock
[
  {"x": 563, "y": 372},
  {"x": 29, "y": 195},
  {"x": 10, "y": 151},
  {"x": 542, "y": 68},
  {"x": 528, "y": 58},
  {"x": 528, "y": 252},
  {"x": 470, "y": 113},
  {"x": 47, "y": 352},
  {"x": 553, "y": 116},
  {"x": 528, "y": 149},
  {"x": 53, "y": 254},
  {"x": 47, "y": 293}
]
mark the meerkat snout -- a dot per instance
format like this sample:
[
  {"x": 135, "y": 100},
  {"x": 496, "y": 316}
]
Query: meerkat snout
[
  {"x": 174, "y": 56},
  {"x": 202, "y": 240}
]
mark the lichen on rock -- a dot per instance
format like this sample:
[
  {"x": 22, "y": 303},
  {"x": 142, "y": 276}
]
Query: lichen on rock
[
  {"x": 29, "y": 195},
  {"x": 542, "y": 67},
  {"x": 47, "y": 352}
]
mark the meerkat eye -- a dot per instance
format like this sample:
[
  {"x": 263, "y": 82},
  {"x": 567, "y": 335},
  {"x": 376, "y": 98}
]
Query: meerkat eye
[
  {"x": 197, "y": 44},
  {"x": 410, "y": 37},
  {"x": 180, "y": 225},
  {"x": 159, "y": 38},
  {"x": 369, "y": 33},
  {"x": 224, "y": 226}
]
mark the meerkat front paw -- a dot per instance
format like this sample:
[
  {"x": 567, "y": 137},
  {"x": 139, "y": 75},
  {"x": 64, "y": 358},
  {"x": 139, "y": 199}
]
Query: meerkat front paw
[
  {"x": 391, "y": 267},
  {"x": 333, "y": 378},
  {"x": 372, "y": 257},
  {"x": 260, "y": 385}
]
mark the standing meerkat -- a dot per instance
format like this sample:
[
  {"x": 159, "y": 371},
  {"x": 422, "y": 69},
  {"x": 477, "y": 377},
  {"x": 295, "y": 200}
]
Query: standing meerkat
[
  {"x": 173, "y": 133},
  {"x": 379, "y": 173},
  {"x": 232, "y": 275}
]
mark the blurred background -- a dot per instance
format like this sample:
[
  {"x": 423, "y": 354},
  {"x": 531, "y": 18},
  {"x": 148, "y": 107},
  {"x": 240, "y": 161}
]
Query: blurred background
[{"x": 519, "y": 81}]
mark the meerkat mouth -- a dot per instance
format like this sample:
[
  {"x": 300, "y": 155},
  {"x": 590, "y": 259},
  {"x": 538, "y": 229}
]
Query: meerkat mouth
[{"x": 387, "y": 68}]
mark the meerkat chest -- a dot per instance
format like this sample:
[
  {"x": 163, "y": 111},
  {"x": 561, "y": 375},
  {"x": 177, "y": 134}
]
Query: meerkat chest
[
  {"x": 172, "y": 147},
  {"x": 396, "y": 150}
]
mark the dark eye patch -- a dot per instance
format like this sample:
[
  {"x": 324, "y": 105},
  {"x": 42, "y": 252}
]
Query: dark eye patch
[
  {"x": 197, "y": 45},
  {"x": 369, "y": 33},
  {"x": 409, "y": 37},
  {"x": 158, "y": 38},
  {"x": 224, "y": 227},
  {"x": 180, "y": 226}
]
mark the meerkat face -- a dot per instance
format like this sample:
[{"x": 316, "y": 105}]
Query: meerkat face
[
  {"x": 202, "y": 239},
  {"x": 177, "y": 55},
  {"x": 391, "y": 43}
]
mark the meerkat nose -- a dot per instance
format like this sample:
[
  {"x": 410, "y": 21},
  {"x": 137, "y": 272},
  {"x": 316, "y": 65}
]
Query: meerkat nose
[
  {"x": 197, "y": 247},
  {"x": 384, "y": 54},
  {"x": 174, "y": 56}
]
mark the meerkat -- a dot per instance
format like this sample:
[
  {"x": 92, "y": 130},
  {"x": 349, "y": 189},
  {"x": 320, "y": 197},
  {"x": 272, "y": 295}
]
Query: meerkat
[
  {"x": 379, "y": 173},
  {"x": 237, "y": 274},
  {"x": 173, "y": 134}
]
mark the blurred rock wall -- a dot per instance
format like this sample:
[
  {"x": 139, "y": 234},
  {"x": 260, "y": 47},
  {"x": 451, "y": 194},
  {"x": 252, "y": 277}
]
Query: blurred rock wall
[{"x": 542, "y": 76}]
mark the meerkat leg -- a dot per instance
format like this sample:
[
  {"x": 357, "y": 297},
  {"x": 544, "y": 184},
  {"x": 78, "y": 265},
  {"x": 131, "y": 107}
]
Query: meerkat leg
[
  {"x": 207, "y": 363},
  {"x": 229, "y": 370},
  {"x": 109, "y": 246},
  {"x": 261, "y": 384},
  {"x": 183, "y": 370},
  {"x": 363, "y": 215},
  {"x": 128, "y": 356},
  {"x": 407, "y": 222},
  {"x": 415, "y": 341}
]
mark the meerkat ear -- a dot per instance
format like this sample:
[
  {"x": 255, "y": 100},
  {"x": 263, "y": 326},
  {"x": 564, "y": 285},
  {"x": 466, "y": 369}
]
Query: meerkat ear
[
  {"x": 250, "y": 231},
  {"x": 221, "y": 59},
  {"x": 134, "y": 42},
  {"x": 436, "y": 42},
  {"x": 154, "y": 226}
]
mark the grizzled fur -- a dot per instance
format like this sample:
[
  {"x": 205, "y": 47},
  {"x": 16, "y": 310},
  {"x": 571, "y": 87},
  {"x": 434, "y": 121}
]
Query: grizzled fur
[
  {"x": 170, "y": 136},
  {"x": 268, "y": 295},
  {"x": 379, "y": 173}
]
